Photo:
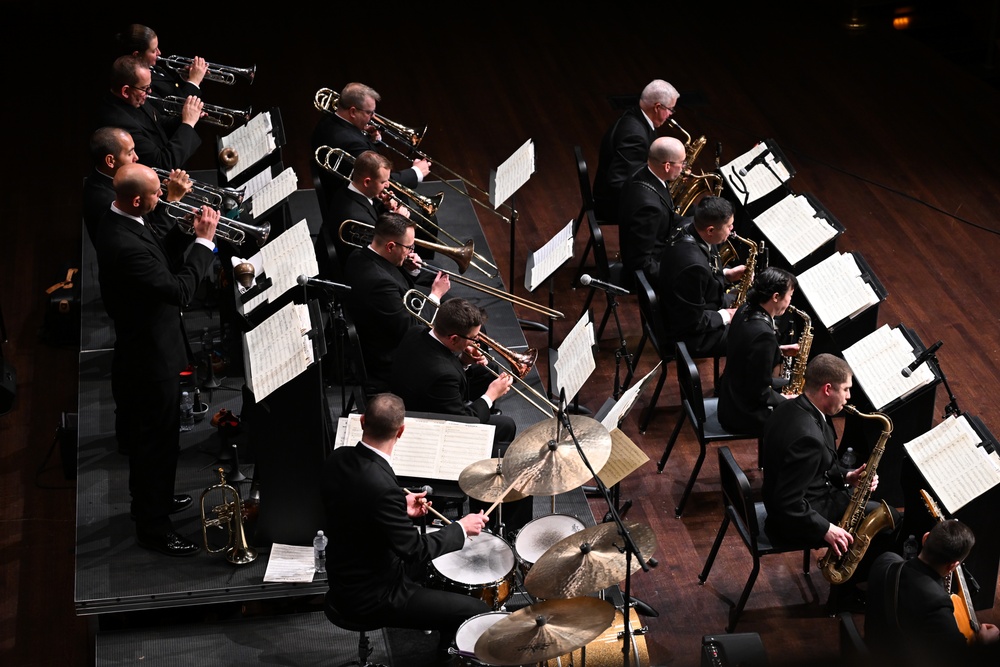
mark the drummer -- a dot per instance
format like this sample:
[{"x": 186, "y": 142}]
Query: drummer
[{"x": 376, "y": 552}]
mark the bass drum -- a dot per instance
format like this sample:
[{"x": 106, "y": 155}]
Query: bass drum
[{"x": 606, "y": 650}]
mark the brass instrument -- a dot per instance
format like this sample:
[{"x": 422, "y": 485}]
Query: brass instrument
[
  {"x": 690, "y": 187},
  {"x": 742, "y": 287},
  {"x": 228, "y": 513},
  {"x": 216, "y": 196},
  {"x": 862, "y": 527},
  {"x": 521, "y": 364},
  {"x": 357, "y": 234},
  {"x": 797, "y": 377},
  {"x": 172, "y": 105},
  {"x": 326, "y": 100},
  {"x": 219, "y": 73},
  {"x": 233, "y": 231},
  {"x": 428, "y": 204}
]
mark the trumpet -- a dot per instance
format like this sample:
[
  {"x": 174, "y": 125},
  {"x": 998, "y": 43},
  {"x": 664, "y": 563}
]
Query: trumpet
[
  {"x": 219, "y": 73},
  {"x": 214, "y": 115},
  {"x": 228, "y": 513},
  {"x": 520, "y": 364},
  {"x": 215, "y": 196},
  {"x": 323, "y": 155},
  {"x": 355, "y": 233},
  {"x": 326, "y": 100},
  {"x": 233, "y": 231}
]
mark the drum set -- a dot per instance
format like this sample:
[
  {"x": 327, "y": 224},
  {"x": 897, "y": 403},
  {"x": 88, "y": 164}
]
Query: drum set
[{"x": 557, "y": 561}]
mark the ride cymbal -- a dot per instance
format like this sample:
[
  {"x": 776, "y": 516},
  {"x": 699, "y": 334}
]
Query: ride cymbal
[{"x": 544, "y": 461}]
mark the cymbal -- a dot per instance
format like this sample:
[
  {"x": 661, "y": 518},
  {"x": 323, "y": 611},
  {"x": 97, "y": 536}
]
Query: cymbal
[
  {"x": 480, "y": 480},
  {"x": 541, "y": 465},
  {"x": 587, "y": 561},
  {"x": 544, "y": 630}
]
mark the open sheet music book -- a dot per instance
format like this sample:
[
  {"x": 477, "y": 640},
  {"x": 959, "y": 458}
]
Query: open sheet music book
[
  {"x": 626, "y": 457},
  {"x": 795, "y": 228},
  {"x": 277, "y": 350},
  {"x": 953, "y": 463},
  {"x": 253, "y": 142},
  {"x": 543, "y": 262},
  {"x": 574, "y": 361},
  {"x": 837, "y": 289},
  {"x": 621, "y": 408},
  {"x": 512, "y": 174},
  {"x": 283, "y": 259},
  {"x": 877, "y": 362},
  {"x": 429, "y": 448},
  {"x": 265, "y": 192},
  {"x": 761, "y": 179}
]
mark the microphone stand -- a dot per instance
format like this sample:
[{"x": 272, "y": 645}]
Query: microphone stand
[
  {"x": 952, "y": 408},
  {"x": 622, "y": 351}
]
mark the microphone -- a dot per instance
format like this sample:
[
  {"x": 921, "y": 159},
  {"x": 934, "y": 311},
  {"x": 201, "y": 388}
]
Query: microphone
[
  {"x": 921, "y": 358},
  {"x": 587, "y": 281},
  {"x": 305, "y": 280},
  {"x": 756, "y": 161}
]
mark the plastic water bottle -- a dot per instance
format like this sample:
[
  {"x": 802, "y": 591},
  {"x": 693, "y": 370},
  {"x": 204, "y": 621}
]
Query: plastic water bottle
[
  {"x": 910, "y": 547},
  {"x": 319, "y": 551},
  {"x": 187, "y": 411},
  {"x": 848, "y": 459}
]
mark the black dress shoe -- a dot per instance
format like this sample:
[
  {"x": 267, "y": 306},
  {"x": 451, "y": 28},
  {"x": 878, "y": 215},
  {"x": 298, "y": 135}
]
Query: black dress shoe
[
  {"x": 181, "y": 502},
  {"x": 170, "y": 544}
]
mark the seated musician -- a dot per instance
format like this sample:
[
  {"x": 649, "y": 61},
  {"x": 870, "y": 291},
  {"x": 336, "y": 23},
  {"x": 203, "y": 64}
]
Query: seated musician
[
  {"x": 692, "y": 281},
  {"x": 374, "y": 568},
  {"x": 139, "y": 40},
  {"x": 910, "y": 616},
  {"x": 379, "y": 276},
  {"x": 441, "y": 370},
  {"x": 747, "y": 390}
]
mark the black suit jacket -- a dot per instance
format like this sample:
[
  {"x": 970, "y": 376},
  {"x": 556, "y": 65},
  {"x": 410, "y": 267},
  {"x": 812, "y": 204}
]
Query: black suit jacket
[
  {"x": 429, "y": 378},
  {"x": 372, "y": 539},
  {"x": 803, "y": 488},
  {"x": 166, "y": 82},
  {"x": 335, "y": 132},
  {"x": 98, "y": 194},
  {"x": 624, "y": 148},
  {"x": 343, "y": 204},
  {"x": 746, "y": 391},
  {"x": 646, "y": 220},
  {"x": 160, "y": 141},
  {"x": 691, "y": 290}
]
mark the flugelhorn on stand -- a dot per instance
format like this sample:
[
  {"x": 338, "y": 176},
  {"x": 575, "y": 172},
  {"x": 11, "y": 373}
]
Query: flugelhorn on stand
[{"x": 229, "y": 514}]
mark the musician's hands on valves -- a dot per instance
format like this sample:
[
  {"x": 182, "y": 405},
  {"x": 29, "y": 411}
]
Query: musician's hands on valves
[
  {"x": 855, "y": 475},
  {"x": 500, "y": 386},
  {"x": 838, "y": 539},
  {"x": 178, "y": 184},
  {"x": 789, "y": 350},
  {"x": 192, "y": 111},
  {"x": 205, "y": 223},
  {"x": 734, "y": 274},
  {"x": 196, "y": 72}
]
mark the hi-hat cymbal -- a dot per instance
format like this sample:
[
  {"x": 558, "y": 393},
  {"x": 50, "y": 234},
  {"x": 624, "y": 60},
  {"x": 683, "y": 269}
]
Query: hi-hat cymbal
[
  {"x": 544, "y": 630},
  {"x": 587, "y": 561},
  {"x": 480, "y": 480},
  {"x": 541, "y": 463}
]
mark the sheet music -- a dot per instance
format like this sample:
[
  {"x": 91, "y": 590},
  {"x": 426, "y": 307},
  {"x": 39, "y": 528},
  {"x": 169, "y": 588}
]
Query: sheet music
[
  {"x": 576, "y": 358},
  {"x": 256, "y": 184},
  {"x": 793, "y": 228},
  {"x": 877, "y": 361},
  {"x": 513, "y": 173},
  {"x": 955, "y": 467},
  {"x": 290, "y": 563},
  {"x": 277, "y": 350},
  {"x": 275, "y": 192},
  {"x": 625, "y": 458},
  {"x": 836, "y": 289},
  {"x": 627, "y": 400},
  {"x": 284, "y": 259},
  {"x": 253, "y": 142},
  {"x": 543, "y": 262},
  {"x": 759, "y": 181},
  {"x": 428, "y": 448}
]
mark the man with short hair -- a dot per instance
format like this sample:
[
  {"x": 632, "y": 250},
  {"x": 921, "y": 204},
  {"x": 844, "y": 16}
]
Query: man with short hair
[{"x": 625, "y": 145}]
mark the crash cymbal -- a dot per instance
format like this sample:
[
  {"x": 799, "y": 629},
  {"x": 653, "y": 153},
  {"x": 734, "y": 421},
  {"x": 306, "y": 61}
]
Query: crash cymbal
[
  {"x": 544, "y": 630},
  {"x": 587, "y": 561},
  {"x": 480, "y": 480},
  {"x": 540, "y": 463}
]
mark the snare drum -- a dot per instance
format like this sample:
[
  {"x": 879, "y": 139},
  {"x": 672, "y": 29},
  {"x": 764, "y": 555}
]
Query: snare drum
[
  {"x": 484, "y": 568},
  {"x": 469, "y": 633},
  {"x": 538, "y": 535}
]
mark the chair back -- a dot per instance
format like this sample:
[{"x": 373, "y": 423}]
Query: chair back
[
  {"x": 601, "y": 266},
  {"x": 354, "y": 373},
  {"x": 649, "y": 311},
  {"x": 689, "y": 382},
  {"x": 586, "y": 193},
  {"x": 737, "y": 493}
]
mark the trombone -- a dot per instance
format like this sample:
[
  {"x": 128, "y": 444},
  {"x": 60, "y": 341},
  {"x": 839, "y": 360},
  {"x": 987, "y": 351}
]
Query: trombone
[
  {"x": 359, "y": 235},
  {"x": 216, "y": 196},
  {"x": 326, "y": 100},
  {"x": 172, "y": 105},
  {"x": 322, "y": 156},
  {"x": 233, "y": 231},
  {"x": 220, "y": 73},
  {"x": 520, "y": 364}
]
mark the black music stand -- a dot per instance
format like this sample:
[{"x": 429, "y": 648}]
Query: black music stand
[
  {"x": 737, "y": 191},
  {"x": 270, "y": 161}
]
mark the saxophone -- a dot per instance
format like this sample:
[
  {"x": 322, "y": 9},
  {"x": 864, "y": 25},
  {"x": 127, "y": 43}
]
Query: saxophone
[
  {"x": 742, "y": 287},
  {"x": 797, "y": 378},
  {"x": 838, "y": 569},
  {"x": 687, "y": 189}
]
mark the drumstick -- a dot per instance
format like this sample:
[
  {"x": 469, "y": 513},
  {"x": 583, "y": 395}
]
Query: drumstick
[
  {"x": 509, "y": 489},
  {"x": 431, "y": 509}
]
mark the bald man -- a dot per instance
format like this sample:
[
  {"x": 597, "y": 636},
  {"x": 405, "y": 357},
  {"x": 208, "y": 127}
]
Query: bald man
[
  {"x": 646, "y": 215},
  {"x": 143, "y": 291}
]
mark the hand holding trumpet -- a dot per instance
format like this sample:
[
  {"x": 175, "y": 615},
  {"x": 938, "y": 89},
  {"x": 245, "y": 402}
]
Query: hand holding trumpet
[
  {"x": 178, "y": 185},
  {"x": 205, "y": 223}
]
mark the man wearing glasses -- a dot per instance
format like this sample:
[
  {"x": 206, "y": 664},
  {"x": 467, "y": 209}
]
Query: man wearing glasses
[{"x": 163, "y": 141}]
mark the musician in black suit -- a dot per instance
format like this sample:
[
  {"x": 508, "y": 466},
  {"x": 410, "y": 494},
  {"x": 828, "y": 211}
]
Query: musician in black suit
[
  {"x": 909, "y": 616},
  {"x": 748, "y": 388},
  {"x": 379, "y": 276},
  {"x": 646, "y": 214},
  {"x": 143, "y": 291},
  {"x": 692, "y": 282},
  {"x": 373, "y": 565},
  {"x": 162, "y": 141},
  {"x": 626, "y": 144},
  {"x": 139, "y": 40}
]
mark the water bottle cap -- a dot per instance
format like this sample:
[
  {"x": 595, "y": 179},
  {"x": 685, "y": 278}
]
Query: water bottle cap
[
  {"x": 319, "y": 534},
  {"x": 184, "y": 393}
]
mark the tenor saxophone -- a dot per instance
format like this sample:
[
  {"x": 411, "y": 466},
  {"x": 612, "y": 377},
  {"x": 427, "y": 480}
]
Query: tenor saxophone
[
  {"x": 862, "y": 527},
  {"x": 797, "y": 379},
  {"x": 742, "y": 287},
  {"x": 690, "y": 187}
]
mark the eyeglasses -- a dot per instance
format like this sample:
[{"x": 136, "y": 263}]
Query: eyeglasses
[
  {"x": 666, "y": 108},
  {"x": 365, "y": 111},
  {"x": 145, "y": 89},
  {"x": 682, "y": 163},
  {"x": 409, "y": 248}
]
